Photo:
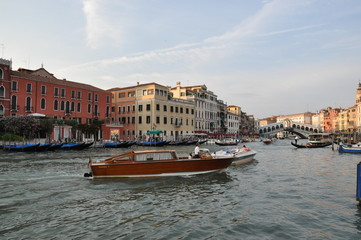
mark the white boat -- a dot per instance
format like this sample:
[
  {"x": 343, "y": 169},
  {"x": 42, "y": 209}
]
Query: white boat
[{"x": 241, "y": 156}]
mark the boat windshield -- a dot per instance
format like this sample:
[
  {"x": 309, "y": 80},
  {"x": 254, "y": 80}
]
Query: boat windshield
[{"x": 155, "y": 156}]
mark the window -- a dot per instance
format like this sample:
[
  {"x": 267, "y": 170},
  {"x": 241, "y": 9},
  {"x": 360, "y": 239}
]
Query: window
[
  {"x": 1, "y": 74},
  {"x": 89, "y": 108},
  {"x": 56, "y": 92},
  {"x": 42, "y": 103},
  {"x": 28, "y": 104},
  {"x": 96, "y": 110},
  {"x": 187, "y": 111},
  {"x": 14, "y": 86},
  {"x": 28, "y": 87},
  {"x": 128, "y": 107},
  {"x": 96, "y": 97},
  {"x": 140, "y": 119},
  {"x": 165, "y": 120},
  {"x": 181, "y": 110},
  {"x": 148, "y": 120},
  {"x": 1, "y": 110},
  {"x": 144, "y": 92},
  {"x": 148, "y": 107},
  {"x": 140, "y": 108},
  {"x": 62, "y": 106},
  {"x": 108, "y": 99},
  {"x": 158, "y": 107},
  {"x": 133, "y": 108},
  {"x": 157, "y": 120},
  {"x": 56, "y": 105},
  {"x": 13, "y": 102},
  {"x": 89, "y": 96},
  {"x": 63, "y": 92},
  {"x": 121, "y": 95},
  {"x": 133, "y": 121},
  {"x": 72, "y": 94},
  {"x": 79, "y": 95},
  {"x": 171, "y": 109},
  {"x": 131, "y": 94},
  {"x": 165, "y": 108},
  {"x": 72, "y": 106},
  {"x": 176, "y": 109},
  {"x": 107, "y": 111},
  {"x": 78, "y": 107},
  {"x": 43, "y": 90},
  {"x": 2, "y": 92}
]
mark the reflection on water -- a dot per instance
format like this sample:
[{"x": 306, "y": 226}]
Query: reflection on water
[{"x": 286, "y": 193}]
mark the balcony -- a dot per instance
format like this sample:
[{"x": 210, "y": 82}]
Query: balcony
[{"x": 14, "y": 108}]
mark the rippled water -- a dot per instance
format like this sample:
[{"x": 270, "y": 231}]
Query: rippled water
[{"x": 286, "y": 193}]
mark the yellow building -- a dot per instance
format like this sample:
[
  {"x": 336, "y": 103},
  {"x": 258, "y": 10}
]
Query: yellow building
[{"x": 152, "y": 107}]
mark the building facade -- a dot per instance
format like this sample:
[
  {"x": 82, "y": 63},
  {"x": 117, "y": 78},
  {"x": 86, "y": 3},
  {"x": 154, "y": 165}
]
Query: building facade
[{"x": 40, "y": 93}]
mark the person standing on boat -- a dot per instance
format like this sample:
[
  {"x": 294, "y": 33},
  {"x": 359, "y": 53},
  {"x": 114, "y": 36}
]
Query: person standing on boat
[
  {"x": 296, "y": 138},
  {"x": 196, "y": 151}
]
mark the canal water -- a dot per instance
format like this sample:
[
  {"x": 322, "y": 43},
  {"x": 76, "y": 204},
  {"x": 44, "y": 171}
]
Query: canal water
[{"x": 286, "y": 193}]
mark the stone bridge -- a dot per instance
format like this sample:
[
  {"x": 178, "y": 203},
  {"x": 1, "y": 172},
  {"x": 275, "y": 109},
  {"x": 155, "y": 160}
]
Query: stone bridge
[{"x": 300, "y": 129}]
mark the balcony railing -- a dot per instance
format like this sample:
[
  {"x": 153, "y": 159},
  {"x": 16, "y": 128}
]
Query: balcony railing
[{"x": 29, "y": 109}]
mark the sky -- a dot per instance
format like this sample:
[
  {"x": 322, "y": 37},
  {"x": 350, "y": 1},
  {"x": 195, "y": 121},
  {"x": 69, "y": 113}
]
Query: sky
[{"x": 270, "y": 57}]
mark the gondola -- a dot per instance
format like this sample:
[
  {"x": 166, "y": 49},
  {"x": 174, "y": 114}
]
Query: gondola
[{"x": 21, "y": 148}]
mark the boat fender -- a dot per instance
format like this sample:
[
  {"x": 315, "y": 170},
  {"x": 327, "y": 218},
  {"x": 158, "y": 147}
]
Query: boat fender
[{"x": 88, "y": 174}]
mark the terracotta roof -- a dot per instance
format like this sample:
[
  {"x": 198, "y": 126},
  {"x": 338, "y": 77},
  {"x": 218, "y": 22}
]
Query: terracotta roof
[{"x": 53, "y": 80}]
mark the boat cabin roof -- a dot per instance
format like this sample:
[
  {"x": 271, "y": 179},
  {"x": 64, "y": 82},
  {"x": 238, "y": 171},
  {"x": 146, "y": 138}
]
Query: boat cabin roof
[{"x": 146, "y": 155}]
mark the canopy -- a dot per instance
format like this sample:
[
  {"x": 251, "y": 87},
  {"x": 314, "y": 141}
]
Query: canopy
[{"x": 154, "y": 132}]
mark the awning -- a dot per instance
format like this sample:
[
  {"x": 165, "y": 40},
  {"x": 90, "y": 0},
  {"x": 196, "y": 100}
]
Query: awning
[
  {"x": 36, "y": 115},
  {"x": 154, "y": 132}
]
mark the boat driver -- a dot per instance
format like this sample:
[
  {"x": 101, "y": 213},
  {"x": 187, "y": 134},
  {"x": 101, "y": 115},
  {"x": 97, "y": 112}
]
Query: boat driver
[{"x": 196, "y": 151}]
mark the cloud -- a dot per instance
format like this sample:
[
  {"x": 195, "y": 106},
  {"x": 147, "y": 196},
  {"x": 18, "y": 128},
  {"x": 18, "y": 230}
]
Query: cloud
[{"x": 99, "y": 30}]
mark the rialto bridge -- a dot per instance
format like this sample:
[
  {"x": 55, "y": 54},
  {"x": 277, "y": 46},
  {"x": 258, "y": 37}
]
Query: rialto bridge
[{"x": 300, "y": 129}]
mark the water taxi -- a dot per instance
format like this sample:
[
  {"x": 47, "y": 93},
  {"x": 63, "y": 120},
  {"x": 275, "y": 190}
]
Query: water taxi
[{"x": 157, "y": 163}]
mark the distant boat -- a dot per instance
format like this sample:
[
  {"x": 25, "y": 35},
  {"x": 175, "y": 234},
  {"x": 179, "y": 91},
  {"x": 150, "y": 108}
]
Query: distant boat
[
  {"x": 227, "y": 142},
  {"x": 156, "y": 163},
  {"x": 152, "y": 144},
  {"x": 21, "y": 148},
  {"x": 267, "y": 141},
  {"x": 316, "y": 140},
  {"x": 75, "y": 146},
  {"x": 356, "y": 148}
]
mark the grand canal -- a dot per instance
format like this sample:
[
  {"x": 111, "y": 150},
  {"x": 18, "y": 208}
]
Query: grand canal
[{"x": 286, "y": 193}]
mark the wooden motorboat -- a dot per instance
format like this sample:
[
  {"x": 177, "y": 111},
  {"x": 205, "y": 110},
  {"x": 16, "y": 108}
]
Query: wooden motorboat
[
  {"x": 241, "y": 156},
  {"x": 157, "y": 163},
  {"x": 356, "y": 148},
  {"x": 21, "y": 148}
]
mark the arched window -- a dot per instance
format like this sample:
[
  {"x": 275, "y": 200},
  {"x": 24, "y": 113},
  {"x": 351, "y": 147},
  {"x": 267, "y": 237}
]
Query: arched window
[
  {"x": 67, "y": 107},
  {"x": 28, "y": 104},
  {"x": 1, "y": 110},
  {"x": 2, "y": 92},
  {"x": 56, "y": 105},
  {"x": 14, "y": 101},
  {"x": 62, "y": 106},
  {"x": 43, "y": 103}
]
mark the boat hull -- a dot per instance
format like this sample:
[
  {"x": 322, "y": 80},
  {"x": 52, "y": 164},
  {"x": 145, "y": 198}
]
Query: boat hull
[
  {"x": 161, "y": 168},
  {"x": 244, "y": 158},
  {"x": 312, "y": 145}
]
